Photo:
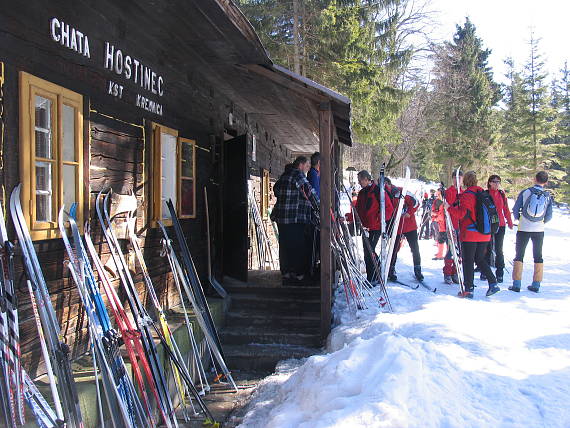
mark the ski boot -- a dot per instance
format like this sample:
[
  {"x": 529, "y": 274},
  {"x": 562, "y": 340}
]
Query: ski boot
[
  {"x": 536, "y": 277},
  {"x": 534, "y": 287},
  {"x": 493, "y": 288},
  {"x": 467, "y": 294},
  {"x": 483, "y": 277},
  {"x": 418, "y": 273},
  {"x": 499, "y": 275},
  {"x": 517, "y": 276},
  {"x": 516, "y": 287},
  {"x": 455, "y": 278},
  {"x": 440, "y": 249},
  {"x": 448, "y": 279}
]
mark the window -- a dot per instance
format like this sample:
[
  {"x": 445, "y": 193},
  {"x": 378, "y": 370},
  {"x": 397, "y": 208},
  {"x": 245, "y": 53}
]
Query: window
[
  {"x": 51, "y": 153},
  {"x": 174, "y": 174}
]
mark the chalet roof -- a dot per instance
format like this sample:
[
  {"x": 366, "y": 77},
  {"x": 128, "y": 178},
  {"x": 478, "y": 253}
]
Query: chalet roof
[{"x": 236, "y": 61}]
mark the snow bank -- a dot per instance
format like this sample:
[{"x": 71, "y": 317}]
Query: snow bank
[{"x": 438, "y": 361}]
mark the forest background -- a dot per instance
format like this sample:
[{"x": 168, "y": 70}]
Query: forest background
[{"x": 429, "y": 104}]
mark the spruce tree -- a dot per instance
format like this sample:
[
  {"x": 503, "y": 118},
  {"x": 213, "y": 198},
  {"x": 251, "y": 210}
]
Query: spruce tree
[
  {"x": 460, "y": 113},
  {"x": 563, "y": 129}
]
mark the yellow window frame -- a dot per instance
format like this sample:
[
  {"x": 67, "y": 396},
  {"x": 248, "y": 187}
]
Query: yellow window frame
[
  {"x": 30, "y": 87},
  {"x": 157, "y": 131}
]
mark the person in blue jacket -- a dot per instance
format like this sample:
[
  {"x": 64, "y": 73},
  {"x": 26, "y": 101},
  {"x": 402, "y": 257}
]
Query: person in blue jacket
[{"x": 314, "y": 175}]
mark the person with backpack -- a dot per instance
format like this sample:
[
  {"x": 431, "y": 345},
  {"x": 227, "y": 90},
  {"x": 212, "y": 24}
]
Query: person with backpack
[
  {"x": 532, "y": 209},
  {"x": 368, "y": 209},
  {"x": 438, "y": 217},
  {"x": 473, "y": 212},
  {"x": 407, "y": 227},
  {"x": 505, "y": 219}
]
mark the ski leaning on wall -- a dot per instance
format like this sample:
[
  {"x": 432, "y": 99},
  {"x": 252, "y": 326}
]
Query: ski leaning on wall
[
  {"x": 146, "y": 324},
  {"x": 195, "y": 293},
  {"x": 123, "y": 403},
  {"x": 54, "y": 349}
]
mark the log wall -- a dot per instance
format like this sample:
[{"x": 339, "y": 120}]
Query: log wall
[{"x": 117, "y": 143}]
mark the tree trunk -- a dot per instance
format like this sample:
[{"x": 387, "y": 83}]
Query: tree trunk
[{"x": 296, "y": 41}]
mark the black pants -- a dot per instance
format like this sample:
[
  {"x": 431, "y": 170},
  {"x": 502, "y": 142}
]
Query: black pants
[
  {"x": 373, "y": 238},
  {"x": 496, "y": 242},
  {"x": 522, "y": 241},
  {"x": 294, "y": 248},
  {"x": 474, "y": 252},
  {"x": 412, "y": 238},
  {"x": 425, "y": 230}
]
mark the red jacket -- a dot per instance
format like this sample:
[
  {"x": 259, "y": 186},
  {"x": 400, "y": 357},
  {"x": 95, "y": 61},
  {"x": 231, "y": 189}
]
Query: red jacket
[
  {"x": 502, "y": 207},
  {"x": 451, "y": 197},
  {"x": 438, "y": 214},
  {"x": 368, "y": 207},
  {"x": 407, "y": 224},
  {"x": 465, "y": 213}
]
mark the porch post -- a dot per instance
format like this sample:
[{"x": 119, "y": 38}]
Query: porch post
[{"x": 325, "y": 143}]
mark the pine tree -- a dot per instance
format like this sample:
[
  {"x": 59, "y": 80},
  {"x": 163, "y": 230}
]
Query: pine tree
[
  {"x": 461, "y": 121},
  {"x": 563, "y": 129},
  {"x": 529, "y": 121},
  {"x": 347, "y": 45}
]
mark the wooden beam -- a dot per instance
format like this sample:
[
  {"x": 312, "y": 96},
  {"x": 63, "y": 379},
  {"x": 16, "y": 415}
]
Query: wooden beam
[{"x": 325, "y": 142}]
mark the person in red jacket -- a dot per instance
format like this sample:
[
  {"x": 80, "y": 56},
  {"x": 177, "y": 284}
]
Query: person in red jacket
[
  {"x": 408, "y": 228},
  {"x": 473, "y": 243},
  {"x": 449, "y": 269},
  {"x": 505, "y": 219},
  {"x": 438, "y": 216},
  {"x": 368, "y": 209}
]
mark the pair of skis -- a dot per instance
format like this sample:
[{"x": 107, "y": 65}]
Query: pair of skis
[
  {"x": 11, "y": 379},
  {"x": 188, "y": 277},
  {"x": 384, "y": 299},
  {"x": 125, "y": 408},
  {"x": 395, "y": 226},
  {"x": 452, "y": 238},
  {"x": 259, "y": 237},
  {"x": 55, "y": 351},
  {"x": 145, "y": 324}
]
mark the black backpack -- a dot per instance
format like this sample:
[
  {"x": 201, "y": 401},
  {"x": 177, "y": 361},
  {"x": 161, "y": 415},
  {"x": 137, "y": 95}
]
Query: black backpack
[{"x": 486, "y": 217}]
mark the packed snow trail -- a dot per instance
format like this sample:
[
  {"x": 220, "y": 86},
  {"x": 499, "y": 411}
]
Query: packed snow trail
[{"x": 439, "y": 361}]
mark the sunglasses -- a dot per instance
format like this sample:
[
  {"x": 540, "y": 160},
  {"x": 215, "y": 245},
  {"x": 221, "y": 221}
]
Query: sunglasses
[{"x": 495, "y": 181}]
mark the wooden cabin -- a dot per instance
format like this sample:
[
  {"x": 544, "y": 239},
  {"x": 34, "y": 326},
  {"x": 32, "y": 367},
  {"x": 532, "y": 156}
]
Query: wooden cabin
[{"x": 162, "y": 100}]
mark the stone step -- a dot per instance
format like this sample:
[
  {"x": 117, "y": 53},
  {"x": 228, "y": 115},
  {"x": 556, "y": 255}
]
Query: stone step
[
  {"x": 244, "y": 336},
  {"x": 264, "y": 357},
  {"x": 292, "y": 305},
  {"x": 271, "y": 319}
]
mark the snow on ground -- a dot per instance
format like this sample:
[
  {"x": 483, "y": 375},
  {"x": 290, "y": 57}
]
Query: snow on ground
[{"x": 438, "y": 361}]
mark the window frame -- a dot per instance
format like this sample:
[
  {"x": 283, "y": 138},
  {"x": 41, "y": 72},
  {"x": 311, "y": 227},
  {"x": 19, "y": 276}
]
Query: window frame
[
  {"x": 180, "y": 177},
  {"x": 264, "y": 194},
  {"x": 157, "y": 215},
  {"x": 30, "y": 87}
]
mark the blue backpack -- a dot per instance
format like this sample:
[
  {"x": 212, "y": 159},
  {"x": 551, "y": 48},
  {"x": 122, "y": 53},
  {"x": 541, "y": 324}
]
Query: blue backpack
[
  {"x": 534, "y": 208},
  {"x": 486, "y": 219}
]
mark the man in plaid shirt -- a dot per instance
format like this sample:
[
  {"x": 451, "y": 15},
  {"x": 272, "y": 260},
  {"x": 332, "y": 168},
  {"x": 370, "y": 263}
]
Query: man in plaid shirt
[{"x": 294, "y": 216}]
